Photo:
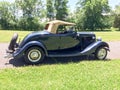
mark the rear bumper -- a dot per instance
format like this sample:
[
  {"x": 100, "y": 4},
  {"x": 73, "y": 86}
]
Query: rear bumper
[
  {"x": 9, "y": 54},
  {"x": 12, "y": 54}
]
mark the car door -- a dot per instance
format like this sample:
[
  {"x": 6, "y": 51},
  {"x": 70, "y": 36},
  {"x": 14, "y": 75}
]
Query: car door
[
  {"x": 68, "y": 40},
  {"x": 52, "y": 42}
]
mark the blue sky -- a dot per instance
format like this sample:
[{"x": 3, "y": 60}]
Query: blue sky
[
  {"x": 112, "y": 3},
  {"x": 72, "y": 3}
]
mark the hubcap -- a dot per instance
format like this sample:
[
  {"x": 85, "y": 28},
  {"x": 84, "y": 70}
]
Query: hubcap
[
  {"x": 34, "y": 55},
  {"x": 102, "y": 53}
]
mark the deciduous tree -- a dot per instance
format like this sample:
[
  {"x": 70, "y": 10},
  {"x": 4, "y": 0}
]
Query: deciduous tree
[
  {"x": 50, "y": 9},
  {"x": 61, "y": 9},
  {"x": 32, "y": 12},
  {"x": 91, "y": 13},
  {"x": 117, "y": 17},
  {"x": 7, "y": 15}
]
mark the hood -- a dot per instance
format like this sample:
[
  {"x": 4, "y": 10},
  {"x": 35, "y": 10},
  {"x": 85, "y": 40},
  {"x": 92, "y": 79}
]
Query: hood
[{"x": 85, "y": 33}]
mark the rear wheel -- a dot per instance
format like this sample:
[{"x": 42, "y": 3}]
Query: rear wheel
[
  {"x": 101, "y": 53},
  {"x": 34, "y": 55}
]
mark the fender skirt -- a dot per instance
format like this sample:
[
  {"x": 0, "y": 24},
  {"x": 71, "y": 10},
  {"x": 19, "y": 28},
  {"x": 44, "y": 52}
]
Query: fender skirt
[{"x": 20, "y": 51}]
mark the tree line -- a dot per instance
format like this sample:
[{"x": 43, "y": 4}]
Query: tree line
[{"x": 32, "y": 14}]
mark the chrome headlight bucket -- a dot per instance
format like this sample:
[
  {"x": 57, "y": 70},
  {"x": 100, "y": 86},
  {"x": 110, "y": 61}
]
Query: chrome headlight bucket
[{"x": 99, "y": 39}]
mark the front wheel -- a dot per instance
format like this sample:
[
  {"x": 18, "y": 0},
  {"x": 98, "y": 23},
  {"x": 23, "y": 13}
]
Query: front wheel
[
  {"x": 34, "y": 55},
  {"x": 101, "y": 53}
]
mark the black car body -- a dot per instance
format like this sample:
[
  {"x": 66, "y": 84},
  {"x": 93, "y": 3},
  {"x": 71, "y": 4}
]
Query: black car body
[{"x": 37, "y": 45}]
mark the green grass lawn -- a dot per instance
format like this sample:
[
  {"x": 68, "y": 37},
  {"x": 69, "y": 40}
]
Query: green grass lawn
[
  {"x": 109, "y": 36},
  {"x": 5, "y": 35},
  {"x": 84, "y": 75}
]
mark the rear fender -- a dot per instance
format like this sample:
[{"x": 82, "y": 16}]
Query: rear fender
[
  {"x": 21, "y": 51},
  {"x": 92, "y": 47}
]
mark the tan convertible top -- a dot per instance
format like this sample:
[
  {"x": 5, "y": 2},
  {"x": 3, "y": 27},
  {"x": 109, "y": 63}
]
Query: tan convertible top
[{"x": 53, "y": 25}]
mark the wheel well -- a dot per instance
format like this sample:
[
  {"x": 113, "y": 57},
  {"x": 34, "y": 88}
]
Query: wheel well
[
  {"x": 103, "y": 46},
  {"x": 36, "y": 46},
  {"x": 100, "y": 47}
]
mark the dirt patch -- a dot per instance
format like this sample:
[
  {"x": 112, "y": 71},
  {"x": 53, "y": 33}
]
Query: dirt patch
[
  {"x": 7, "y": 63},
  {"x": 114, "y": 50},
  {"x": 4, "y": 62}
]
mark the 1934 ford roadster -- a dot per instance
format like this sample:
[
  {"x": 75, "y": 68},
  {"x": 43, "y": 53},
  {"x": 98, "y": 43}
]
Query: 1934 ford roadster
[{"x": 52, "y": 42}]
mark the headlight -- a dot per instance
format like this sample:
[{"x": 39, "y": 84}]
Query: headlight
[
  {"x": 93, "y": 37},
  {"x": 99, "y": 39}
]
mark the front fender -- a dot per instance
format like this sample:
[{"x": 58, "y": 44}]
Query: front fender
[
  {"x": 92, "y": 47},
  {"x": 21, "y": 51}
]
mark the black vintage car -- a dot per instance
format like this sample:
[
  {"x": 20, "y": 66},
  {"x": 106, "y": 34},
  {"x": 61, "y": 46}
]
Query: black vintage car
[{"x": 52, "y": 42}]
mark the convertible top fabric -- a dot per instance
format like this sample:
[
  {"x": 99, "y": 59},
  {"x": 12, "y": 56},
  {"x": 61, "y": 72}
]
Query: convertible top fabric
[{"x": 53, "y": 25}]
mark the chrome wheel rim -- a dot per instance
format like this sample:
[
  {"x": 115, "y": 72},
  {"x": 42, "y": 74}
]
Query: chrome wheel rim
[
  {"x": 102, "y": 53},
  {"x": 34, "y": 55}
]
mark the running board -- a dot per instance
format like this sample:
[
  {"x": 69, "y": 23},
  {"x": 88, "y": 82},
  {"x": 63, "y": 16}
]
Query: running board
[{"x": 65, "y": 55}]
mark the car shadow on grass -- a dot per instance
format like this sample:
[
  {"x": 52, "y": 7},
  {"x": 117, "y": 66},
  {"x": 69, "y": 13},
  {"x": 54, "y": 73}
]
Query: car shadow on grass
[{"x": 50, "y": 61}]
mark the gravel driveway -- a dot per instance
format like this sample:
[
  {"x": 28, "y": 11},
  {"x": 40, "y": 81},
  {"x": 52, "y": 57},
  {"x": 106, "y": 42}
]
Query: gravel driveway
[{"x": 7, "y": 63}]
